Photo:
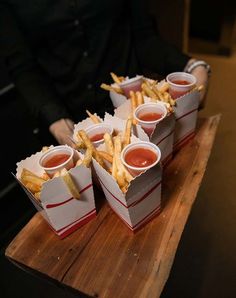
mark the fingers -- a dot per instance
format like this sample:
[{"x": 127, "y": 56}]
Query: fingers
[{"x": 62, "y": 130}]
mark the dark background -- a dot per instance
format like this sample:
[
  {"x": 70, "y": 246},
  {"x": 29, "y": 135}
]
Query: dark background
[{"x": 19, "y": 139}]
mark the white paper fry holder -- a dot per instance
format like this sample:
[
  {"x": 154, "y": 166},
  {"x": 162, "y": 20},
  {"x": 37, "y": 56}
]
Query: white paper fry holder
[
  {"x": 141, "y": 202},
  {"x": 186, "y": 113},
  {"x": 63, "y": 212}
]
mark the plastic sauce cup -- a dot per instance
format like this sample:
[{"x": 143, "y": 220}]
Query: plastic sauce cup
[
  {"x": 149, "y": 114},
  {"x": 180, "y": 83},
  {"x": 57, "y": 158},
  {"x": 139, "y": 157},
  {"x": 96, "y": 132},
  {"x": 134, "y": 84}
]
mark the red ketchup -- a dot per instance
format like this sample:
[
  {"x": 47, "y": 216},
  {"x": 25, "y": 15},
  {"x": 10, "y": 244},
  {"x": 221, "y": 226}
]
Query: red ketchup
[
  {"x": 140, "y": 157},
  {"x": 97, "y": 137},
  {"x": 150, "y": 116},
  {"x": 180, "y": 82},
  {"x": 175, "y": 93},
  {"x": 56, "y": 160}
]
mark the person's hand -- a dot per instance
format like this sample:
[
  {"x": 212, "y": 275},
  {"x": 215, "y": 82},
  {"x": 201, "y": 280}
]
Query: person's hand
[
  {"x": 62, "y": 131},
  {"x": 201, "y": 75}
]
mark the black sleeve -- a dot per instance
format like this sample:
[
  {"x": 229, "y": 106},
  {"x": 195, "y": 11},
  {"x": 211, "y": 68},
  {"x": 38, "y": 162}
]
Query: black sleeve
[
  {"x": 31, "y": 82},
  {"x": 153, "y": 52}
]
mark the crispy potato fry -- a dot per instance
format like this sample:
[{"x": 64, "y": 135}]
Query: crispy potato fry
[
  {"x": 134, "y": 105},
  {"x": 87, "y": 157},
  {"x": 149, "y": 92},
  {"x": 79, "y": 143},
  {"x": 127, "y": 132},
  {"x": 29, "y": 177},
  {"x": 37, "y": 196},
  {"x": 105, "y": 155},
  {"x": 115, "y": 78},
  {"x": 164, "y": 87},
  {"x": 121, "y": 78},
  {"x": 32, "y": 187},
  {"x": 79, "y": 162},
  {"x": 139, "y": 97},
  {"x": 45, "y": 148},
  {"x": 116, "y": 89},
  {"x": 108, "y": 143},
  {"x": 119, "y": 175},
  {"x": 89, "y": 144},
  {"x": 45, "y": 176},
  {"x": 93, "y": 117},
  {"x": 73, "y": 189}
]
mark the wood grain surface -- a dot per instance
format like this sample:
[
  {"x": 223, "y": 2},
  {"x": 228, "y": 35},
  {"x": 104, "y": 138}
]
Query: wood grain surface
[{"x": 104, "y": 258}]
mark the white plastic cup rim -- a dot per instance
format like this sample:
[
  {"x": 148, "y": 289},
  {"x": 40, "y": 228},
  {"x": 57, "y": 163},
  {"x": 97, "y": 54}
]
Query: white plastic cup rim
[
  {"x": 53, "y": 151},
  {"x": 97, "y": 129},
  {"x": 146, "y": 145},
  {"x": 128, "y": 82},
  {"x": 180, "y": 76},
  {"x": 161, "y": 106}
]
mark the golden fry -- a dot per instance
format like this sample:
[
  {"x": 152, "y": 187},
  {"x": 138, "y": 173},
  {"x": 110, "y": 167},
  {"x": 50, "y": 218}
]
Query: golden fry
[
  {"x": 134, "y": 105},
  {"x": 32, "y": 187},
  {"x": 119, "y": 175},
  {"x": 127, "y": 132},
  {"x": 37, "y": 196},
  {"x": 139, "y": 97},
  {"x": 29, "y": 177},
  {"x": 73, "y": 189},
  {"x": 115, "y": 78},
  {"x": 93, "y": 117},
  {"x": 116, "y": 89},
  {"x": 89, "y": 144},
  {"x": 164, "y": 87},
  {"x": 105, "y": 155},
  {"x": 87, "y": 157},
  {"x": 45, "y": 176},
  {"x": 108, "y": 143},
  {"x": 149, "y": 92}
]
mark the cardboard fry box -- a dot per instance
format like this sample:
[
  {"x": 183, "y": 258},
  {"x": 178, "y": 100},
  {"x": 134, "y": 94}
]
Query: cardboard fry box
[
  {"x": 63, "y": 213},
  {"x": 162, "y": 136},
  {"x": 142, "y": 201},
  {"x": 186, "y": 112},
  {"x": 116, "y": 98}
]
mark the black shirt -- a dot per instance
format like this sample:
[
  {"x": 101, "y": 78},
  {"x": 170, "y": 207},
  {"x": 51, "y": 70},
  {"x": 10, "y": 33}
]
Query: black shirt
[{"x": 59, "y": 51}]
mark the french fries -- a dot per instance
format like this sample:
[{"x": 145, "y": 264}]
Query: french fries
[
  {"x": 115, "y": 78},
  {"x": 115, "y": 89},
  {"x": 108, "y": 143},
  {"x": 158, "y": 93},
  {"x": 134, "y": 104},
  {"x": 127, "y": 132},
  {"x": 93, "y": 117},
  {"x": 33, "y": 182},
  {"x": 89, "y": 145},
  {"x": 73, "y": 189}
]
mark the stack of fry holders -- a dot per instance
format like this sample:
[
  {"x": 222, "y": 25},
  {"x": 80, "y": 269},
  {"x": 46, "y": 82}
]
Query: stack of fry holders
[
  {"x": 63, "y": 213},
  {"x": 185, "y": 115},
  {"x": 162, "y": 136},
  {"x": 143, "y": 199}
]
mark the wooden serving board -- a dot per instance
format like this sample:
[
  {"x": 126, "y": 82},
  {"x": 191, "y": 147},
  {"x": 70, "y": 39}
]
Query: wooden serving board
[{"x": 104, "y": 258}]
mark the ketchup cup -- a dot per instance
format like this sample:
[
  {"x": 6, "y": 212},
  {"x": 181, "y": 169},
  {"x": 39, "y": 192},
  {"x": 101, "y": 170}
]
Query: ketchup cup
[
  {"x": 134, "y": 84},
  {"x": 57, "y": 158},
  {"x": 149, "y": 114},
  {"x": 96, "y": 132},
  {"x": 180, "y": 83},
  {"x": 139, "y": 157}
]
